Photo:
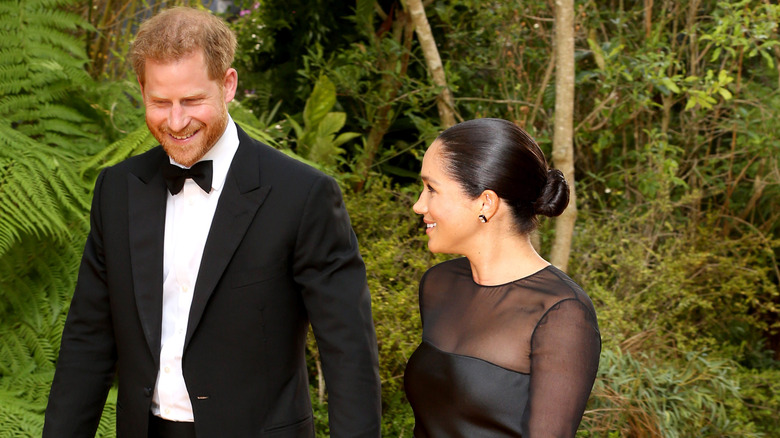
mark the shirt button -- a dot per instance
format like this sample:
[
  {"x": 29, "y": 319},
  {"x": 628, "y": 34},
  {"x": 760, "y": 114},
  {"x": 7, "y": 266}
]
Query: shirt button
[
  {"x": 185, "y": 289},
  {"x": 167, "y": 411},
  {"x": 167, "y": 369}
]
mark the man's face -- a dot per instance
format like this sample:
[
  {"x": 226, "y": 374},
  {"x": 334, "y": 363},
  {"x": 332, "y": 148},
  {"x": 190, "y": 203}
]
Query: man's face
[{"x": 185, "y": 110}]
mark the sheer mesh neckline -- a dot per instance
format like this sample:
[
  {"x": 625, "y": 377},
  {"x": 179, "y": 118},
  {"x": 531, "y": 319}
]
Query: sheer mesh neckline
[
  {"x": 510, "y": 282},
  {"x": 496, "y": 323}
]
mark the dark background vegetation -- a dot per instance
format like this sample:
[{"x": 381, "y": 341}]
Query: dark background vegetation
[{"x": 676, "y": 156}]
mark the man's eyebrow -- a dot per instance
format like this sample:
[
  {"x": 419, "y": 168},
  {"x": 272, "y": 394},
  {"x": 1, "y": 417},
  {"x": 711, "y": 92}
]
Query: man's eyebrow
[{"x": 195, "y": 95}]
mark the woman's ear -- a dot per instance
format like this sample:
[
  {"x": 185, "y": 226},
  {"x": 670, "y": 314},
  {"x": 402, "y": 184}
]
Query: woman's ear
[{"x": 490, "y": 202}]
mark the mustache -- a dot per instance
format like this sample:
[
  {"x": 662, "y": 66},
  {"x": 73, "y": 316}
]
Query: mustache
[{"x": 186, "y": 132}]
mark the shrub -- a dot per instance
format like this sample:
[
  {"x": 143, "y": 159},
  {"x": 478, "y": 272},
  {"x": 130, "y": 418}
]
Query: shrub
[{"x": 642, "y": 395}]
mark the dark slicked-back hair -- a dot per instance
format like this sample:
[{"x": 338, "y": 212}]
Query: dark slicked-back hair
[
  {"x": 178, "y": 32},
  {"x": 495, "y": 154}
]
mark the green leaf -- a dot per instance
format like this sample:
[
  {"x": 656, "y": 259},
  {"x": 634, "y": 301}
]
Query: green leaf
[
  {"x": 668, "y": 83},
  {"x": 331, "y": 124},
  {"x": 345, "y": 137},
  {"x": 769, "y": 60},
  {"x": 321, "y": 101},
  {"x": 296, "y": 127},
  {"x": 715, "y": 54}
]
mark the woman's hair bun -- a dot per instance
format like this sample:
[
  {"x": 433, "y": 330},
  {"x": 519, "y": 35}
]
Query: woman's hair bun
[{"x": 555, "y": 195}]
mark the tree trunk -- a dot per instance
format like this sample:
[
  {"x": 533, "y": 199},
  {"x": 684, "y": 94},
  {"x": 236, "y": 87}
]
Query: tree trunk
[
  {"x": 444, "y": 102},
  {"x": 563, "y": 144}
]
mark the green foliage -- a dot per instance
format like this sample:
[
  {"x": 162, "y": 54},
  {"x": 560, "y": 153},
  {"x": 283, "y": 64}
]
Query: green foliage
[
  {"x": 692, "y": 78},
  {"x": 496, "y": 54},
  {"x": 759, "y": 389},
  {"x": 637, "y": 395},
  {"x": 20, "y": 416},
  {"x": 37, "y": 280},
  {"x": 740, "y": 25},
  {"x": 42, "y": 121},
  {"x": 382, "y": 99},
  {"x": 136, "y": 142},
  {"x": 272, "y": 36},
  {"x": 677, "y": 284},
  {"x": 40, "y": 194},
  {"x": 47, "y": 126},
  {"x": 42, "y": 76},
  {"x": 317, "y": 140}
]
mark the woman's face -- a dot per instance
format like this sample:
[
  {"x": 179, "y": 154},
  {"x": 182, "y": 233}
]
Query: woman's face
[{"x": 450, "y": 216}]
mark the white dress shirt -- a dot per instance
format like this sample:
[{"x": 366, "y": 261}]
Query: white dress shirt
[{"x": 188, "y": 219}]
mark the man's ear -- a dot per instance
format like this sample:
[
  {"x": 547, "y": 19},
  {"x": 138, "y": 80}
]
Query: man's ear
[
  {"x": 140, "y": 85},
  {"x": 230, "y": 84}
]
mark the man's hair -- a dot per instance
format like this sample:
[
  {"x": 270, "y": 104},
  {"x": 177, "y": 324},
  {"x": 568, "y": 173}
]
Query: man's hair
[{"x": 178, "y": 32}]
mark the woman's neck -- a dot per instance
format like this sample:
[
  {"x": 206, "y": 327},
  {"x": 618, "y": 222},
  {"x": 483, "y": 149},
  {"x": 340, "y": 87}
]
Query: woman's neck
[{"x": 503, "y": 258}]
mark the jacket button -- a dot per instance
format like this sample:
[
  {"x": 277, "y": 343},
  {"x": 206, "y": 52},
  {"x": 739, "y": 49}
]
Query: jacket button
[{"x": 148, "y": 391}]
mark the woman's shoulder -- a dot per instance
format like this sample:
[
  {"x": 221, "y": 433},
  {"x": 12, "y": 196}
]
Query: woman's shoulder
[
  {"x": 565, "y": 289},
  {"x": 457, "y": 267}
]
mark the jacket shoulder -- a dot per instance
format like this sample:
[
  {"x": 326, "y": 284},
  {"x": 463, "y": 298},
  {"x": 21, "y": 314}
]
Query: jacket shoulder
[{"x": 144, "y": 165}]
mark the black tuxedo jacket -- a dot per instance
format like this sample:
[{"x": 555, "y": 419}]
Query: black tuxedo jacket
[{"x": 280, "y": 253}]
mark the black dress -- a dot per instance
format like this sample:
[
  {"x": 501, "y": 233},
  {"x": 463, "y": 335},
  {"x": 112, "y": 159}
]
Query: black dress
[{"x": 512, "y": 360}]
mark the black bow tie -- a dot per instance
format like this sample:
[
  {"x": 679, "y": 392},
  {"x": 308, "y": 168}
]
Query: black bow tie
[{"x": 175, "y": 176}]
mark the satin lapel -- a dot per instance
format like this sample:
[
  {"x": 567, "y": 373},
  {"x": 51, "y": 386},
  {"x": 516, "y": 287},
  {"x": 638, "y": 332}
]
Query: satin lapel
[
  {"x": 236, "y": 209},
  {"x": 147, "y": 198}
]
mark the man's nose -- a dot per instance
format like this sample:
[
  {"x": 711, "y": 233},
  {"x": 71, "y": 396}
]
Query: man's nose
[{"x": 178, "y": 118}]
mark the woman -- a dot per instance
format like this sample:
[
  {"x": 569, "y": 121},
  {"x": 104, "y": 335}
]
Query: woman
[{"x": 510, "y": 343}]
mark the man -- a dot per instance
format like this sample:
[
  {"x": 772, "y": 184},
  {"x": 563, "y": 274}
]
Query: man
[{"x": 197, "y": 294}]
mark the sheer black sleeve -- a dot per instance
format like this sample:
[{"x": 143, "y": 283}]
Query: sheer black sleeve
[{"x": 565, "y": 348}]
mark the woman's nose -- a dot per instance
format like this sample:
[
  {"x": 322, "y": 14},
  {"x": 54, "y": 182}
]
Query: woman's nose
[{"x": 419, "y": 207}]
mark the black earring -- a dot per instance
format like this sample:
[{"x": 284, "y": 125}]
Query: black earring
[{"x": 482, "y": 218}]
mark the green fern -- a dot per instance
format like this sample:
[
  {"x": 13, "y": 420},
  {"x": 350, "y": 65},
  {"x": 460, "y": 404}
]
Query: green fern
[
  {"x": 40, "y": 193},
  {"x": 107, "y": 426},
  {"x": 19, "y": 418},
  {"x": 47, "y": 126},
  {"x": 43, "y": 127},
  {"x": 42, "y": 72},
  {"x": 138, "y": 141},
  {"x": 23, "y": 402},
  {"x": 37, "y": 277}
]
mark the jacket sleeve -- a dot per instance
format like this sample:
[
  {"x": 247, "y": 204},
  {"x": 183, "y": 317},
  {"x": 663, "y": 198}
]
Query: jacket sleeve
[
  {"x": 331, "y": 272},
  {"x": 87, "y": 358}
]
